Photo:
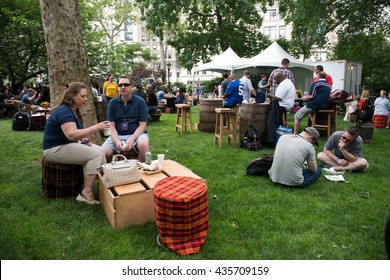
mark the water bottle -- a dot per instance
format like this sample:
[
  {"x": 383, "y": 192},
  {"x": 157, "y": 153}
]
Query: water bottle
[{"x": 148, "y": 157}]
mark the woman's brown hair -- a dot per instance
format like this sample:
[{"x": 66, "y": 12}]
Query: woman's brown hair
[{"x": 71, "y": 90}]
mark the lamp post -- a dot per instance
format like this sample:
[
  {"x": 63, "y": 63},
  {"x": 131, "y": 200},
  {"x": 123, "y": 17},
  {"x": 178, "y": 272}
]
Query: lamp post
[{"x": 169, "y": 83}]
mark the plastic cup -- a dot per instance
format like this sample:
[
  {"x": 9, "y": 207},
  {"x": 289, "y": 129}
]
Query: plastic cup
[
  {"x": 160, "y": 158},
  {"x": 106, "y": 132}
]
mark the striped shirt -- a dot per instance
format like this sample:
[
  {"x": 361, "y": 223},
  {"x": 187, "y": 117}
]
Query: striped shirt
[{"x": 287, "y": 73}]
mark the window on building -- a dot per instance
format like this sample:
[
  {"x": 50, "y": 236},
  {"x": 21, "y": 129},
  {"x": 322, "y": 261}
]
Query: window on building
[
  {"x": 143, "y": 38},
  {"x": 271, "y": 14},
  {"x": 169, "y": 56},
  {"x": 177, "y": 74},
  {"x": 282, "y": 31},
  {"x": 128, "y": 36},
  {"x": 270, "y": 32}
]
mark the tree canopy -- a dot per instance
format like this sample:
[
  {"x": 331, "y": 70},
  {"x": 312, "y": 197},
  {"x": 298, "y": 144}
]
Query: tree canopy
[
  {"x": 203, "y": 28},
  {"x": 22, "y": 46}
]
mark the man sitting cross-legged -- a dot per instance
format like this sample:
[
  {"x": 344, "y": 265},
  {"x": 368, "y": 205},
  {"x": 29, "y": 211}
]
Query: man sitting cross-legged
[{"x": 343, "y": 151}]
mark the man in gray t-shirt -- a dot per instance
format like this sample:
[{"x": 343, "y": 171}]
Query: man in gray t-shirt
[
  {"x": 343, "y": 150},
  {"x": 291, "y": 152}
]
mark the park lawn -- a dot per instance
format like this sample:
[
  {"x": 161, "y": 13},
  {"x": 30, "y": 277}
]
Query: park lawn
[{"x": 249, "y": 217}]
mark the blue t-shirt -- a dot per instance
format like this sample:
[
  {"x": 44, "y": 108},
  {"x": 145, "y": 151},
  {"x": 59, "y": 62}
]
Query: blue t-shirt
[
  {"x": 25, "y": 99},
  {"x": 127, "y": 116},
  {"x": 160, "y": 95},
  {"x": 232, "y": 94},
  {"x": 321, "y": 91},
  {"x": 53, "y": 135}
]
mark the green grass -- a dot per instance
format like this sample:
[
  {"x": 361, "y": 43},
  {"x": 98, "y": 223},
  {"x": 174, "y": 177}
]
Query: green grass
[{"x": 249, "y": 217}]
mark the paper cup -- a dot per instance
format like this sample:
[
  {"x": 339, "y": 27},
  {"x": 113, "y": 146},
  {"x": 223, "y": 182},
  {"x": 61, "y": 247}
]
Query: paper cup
[{"x": 106, "y": 132}]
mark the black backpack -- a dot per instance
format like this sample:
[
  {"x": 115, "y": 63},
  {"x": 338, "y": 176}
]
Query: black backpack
[
  {"x": 252, "y": 139},
  {"x": 21, "y": 121},
  {"x": 260, "y": 166},
  {"x": 367, "y": 112}
]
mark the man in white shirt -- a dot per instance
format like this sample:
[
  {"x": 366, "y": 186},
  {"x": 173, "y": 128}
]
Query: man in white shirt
[
  {"x": 285, "y": 92},
  {"x": 246, "y": 87}
]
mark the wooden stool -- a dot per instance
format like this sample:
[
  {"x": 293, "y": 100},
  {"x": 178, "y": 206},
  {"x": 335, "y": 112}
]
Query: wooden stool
[
  {"x": 183, "y": 112},
  {"x": 61, "y": 180},
  {"x": 225, "y": 122},
  {"x": 181, "y": 211},
  {"x": 331, "y": 120}
]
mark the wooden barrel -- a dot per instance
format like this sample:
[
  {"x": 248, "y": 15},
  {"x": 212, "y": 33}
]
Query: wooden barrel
[
  {"x": 207, "y": 113},
  {"x": 255, "y": 115}
]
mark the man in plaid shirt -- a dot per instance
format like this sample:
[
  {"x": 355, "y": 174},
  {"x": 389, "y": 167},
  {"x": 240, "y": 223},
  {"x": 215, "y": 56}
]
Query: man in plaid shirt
[{"x": 272, "y": 83}]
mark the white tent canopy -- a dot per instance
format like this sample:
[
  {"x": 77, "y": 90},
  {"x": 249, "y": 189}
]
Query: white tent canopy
[
  {"x": 271, "y": 58},
  {"x": 221, "y": 63}
]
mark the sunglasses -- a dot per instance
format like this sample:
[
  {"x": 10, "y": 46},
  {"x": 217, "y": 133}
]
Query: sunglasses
[
  {"x": 125, "y": 85},
  {"x": 346, "y": 139}
]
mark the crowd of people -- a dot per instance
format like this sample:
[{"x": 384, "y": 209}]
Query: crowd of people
[
  {"x": 129, "y": 106},
  {"x": 34, "y": 95}
]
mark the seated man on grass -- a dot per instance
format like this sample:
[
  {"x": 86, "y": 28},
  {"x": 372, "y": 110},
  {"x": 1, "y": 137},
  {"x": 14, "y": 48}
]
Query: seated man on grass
[
  {"x": 317, "y": 99},
  {"x": 291, "y": 154},
  {"x": 343, "y": 151}
]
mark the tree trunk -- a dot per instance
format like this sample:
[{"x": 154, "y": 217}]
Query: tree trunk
[{"x": 66, "y": 54}]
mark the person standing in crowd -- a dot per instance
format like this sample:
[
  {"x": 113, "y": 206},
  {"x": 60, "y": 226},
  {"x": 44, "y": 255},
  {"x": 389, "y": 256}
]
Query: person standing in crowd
[
  {"x": 65, "y": 138},
  {"x": 272, "y": 83},
  {"x": 128, "y": 115},
  {"x": 381, "y": 115},
  {"x": 343, "y": 151},
  {"x": 328, "y": 78},
  {"x": 110, "y": 88},
  {"x": 225, "y": 82},
  {"x": 262, "y": 89},
  {"x": 291, "y": 154},
  {"x": 317, "y": 99},
  {"x": 246, "y": 89},
  {"x": 232, "y": 93}
]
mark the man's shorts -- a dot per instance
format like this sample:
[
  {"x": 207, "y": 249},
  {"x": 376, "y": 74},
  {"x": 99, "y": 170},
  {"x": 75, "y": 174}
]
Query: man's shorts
[
  {"x": 111, "y": 143},
  {"x": 303, "y": 112}
]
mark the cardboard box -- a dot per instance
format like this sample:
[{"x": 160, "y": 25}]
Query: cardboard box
[{"x": 134, "y": 203}]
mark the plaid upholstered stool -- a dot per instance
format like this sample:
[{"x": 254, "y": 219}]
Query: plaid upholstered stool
[
  {"x": 181, "y": 210},
  {"x": 61, "y": 180}
]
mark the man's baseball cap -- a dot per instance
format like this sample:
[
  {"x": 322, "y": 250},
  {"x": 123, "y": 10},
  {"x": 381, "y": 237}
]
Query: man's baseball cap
[{"x": 313, "y": 133}]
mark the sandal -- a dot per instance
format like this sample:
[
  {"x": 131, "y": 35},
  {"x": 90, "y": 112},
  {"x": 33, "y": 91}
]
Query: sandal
[{"x": 81, "y": 198}]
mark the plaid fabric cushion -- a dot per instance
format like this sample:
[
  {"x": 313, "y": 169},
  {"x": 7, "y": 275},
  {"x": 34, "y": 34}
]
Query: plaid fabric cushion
[
  {"x": 379, "y": 121},
  {"x": 61, "y": 180},
  {"x": 181, "y": 209}
]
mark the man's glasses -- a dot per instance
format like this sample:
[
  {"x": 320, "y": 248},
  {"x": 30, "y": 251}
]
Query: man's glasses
[
  {"x": 124, "y": 85},
  {"x": 346, "y": 139}
]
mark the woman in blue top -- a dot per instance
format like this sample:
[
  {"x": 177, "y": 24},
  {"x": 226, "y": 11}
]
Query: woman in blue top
[{"x": 65, "y": 141}]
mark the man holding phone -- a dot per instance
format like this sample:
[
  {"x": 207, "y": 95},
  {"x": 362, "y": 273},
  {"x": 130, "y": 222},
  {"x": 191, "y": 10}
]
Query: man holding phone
[{"x": 343, "y": 151}]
